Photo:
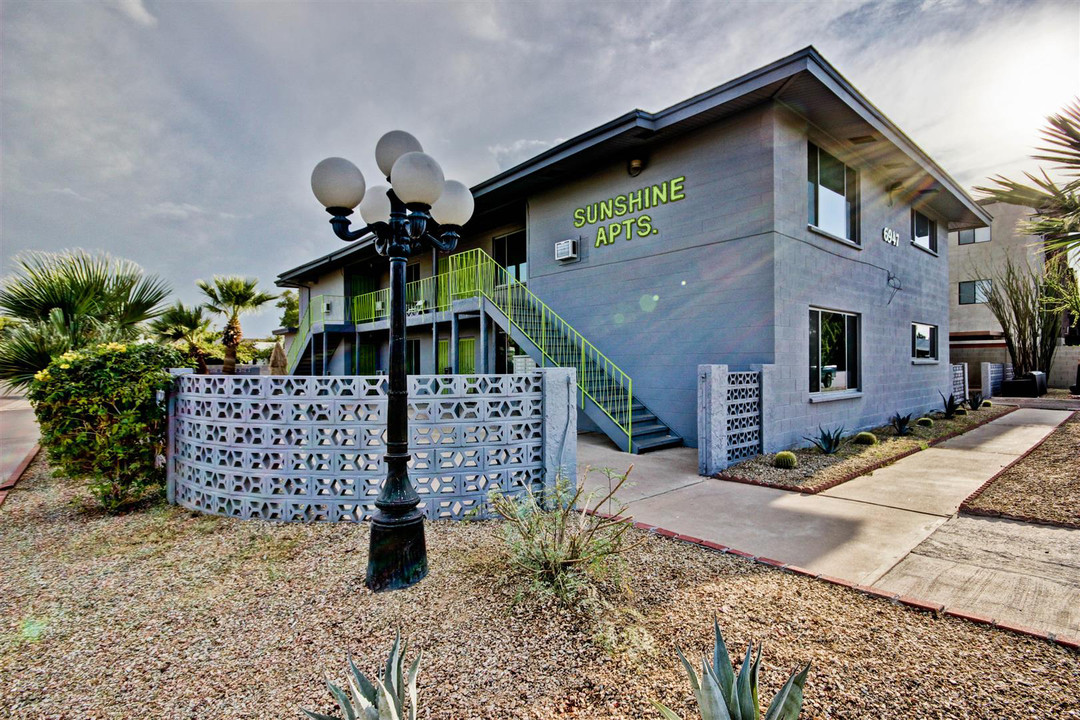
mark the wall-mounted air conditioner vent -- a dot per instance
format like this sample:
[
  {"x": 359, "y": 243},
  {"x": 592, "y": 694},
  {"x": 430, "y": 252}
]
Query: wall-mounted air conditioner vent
[{"x": 566, "y": 249}]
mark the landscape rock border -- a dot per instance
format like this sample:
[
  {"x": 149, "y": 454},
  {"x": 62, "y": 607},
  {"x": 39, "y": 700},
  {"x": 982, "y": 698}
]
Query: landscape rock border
[
  {"x": 829, "y": 484},
  {"x": 967, "y": 509}
]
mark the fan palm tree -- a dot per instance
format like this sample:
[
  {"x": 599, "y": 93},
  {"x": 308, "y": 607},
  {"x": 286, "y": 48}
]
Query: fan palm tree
[
  {"x": 1057, "y": 205},
  {"x": 182, "y": 324},
  {"x": 232, "y": 296},
  {"x": 69, "y": 300}
]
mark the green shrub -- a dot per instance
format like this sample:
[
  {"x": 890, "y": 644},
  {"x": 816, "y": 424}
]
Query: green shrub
[
  {"x": 785, "y": 459},
  {"x": 100, "y": 418},
  {"x": 828, "y": 441},
  {"x": 392, "y": 696},
  {"x": 721, "y": 695},
  {"x": 566, "y": 549},
  {"x": 901, "y": 424},
  {"x": 866, "y": 438},
  {"x": 925, "y": 422}
]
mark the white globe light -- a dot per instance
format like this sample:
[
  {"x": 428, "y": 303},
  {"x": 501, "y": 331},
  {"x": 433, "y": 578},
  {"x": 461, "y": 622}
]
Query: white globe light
[
  {"x": 393, "y": 145},
  {"x": 454, "y": 206},
  {"x": 336, "y": 182},
  {"x": 376, "y": 205},
  {"x": 417, "y": 178}
]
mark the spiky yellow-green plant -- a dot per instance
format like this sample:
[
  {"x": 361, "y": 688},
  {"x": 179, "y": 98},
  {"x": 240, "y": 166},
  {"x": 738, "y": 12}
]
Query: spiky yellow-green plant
[
  {"x": 786, "y": 460},
  {"x": 866, "y": 438}
]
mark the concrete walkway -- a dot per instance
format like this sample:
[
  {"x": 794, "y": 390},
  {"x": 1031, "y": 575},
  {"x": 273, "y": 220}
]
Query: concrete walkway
[
  {"x": 863, "y": 529},
  {"x": 18, "y": 433}
]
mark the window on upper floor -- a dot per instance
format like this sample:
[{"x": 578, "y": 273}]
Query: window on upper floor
[
  {"x": 970, "y": 237},
  {"x": 412, "y": 272},
  {"x": 924, "y": 341},
  {"x": 973, "y": 292},
  {"x": 832, "y": 195},
  {"x": 923, "y": 231},
  {"x": 834, "y": 351}
]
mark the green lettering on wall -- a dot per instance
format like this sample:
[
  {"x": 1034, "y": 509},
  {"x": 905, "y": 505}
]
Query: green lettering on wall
[
  {"x": 601, "y": 236},
  {"x": 659, "y": 194},
  {"x": 650, "y": 196},
  {"x": 677, "y": 188},
  {"x": 579, "y": 218},
  {"x": 620, "y": 205},
  {"x": 606, "y": 210}
]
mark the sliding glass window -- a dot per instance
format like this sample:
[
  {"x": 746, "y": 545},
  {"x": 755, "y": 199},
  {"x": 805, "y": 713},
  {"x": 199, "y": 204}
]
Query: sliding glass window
[{"x": 834, "y": 351}]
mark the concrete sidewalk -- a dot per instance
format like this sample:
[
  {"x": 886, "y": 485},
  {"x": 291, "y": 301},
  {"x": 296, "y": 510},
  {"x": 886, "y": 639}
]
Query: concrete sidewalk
[
  {"x": 859, "y": 531},
  {"x": 18, "y": 434}
]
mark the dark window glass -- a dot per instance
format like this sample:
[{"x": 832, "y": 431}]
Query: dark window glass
[
  {"x": 412, "y": 272},
  {"x": 511, "y": 252},
  {"x": 811, "y": 184},
  {"x": 834, "y": 351},
  {"x": 974, "y": 291},
  {"x": 412, "y": 357},
  {"x": 965, "y": 237},
  {"x": 924, "y": 341},
  {"x": 923, "y": 231}
]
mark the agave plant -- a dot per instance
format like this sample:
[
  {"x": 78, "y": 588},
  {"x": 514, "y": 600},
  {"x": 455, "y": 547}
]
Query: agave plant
[
  {"x": 721, "y": 695},
  {"x": 828, "y": 441},
  {"x": 901, "y": 424},
  {"x": 391, "y": 697},
  {"x": 975, "y": 401},
  {"x": 950, "y": 404}
]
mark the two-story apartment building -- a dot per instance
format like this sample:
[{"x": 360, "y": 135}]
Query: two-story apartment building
[{"x": 779, "y": 219}]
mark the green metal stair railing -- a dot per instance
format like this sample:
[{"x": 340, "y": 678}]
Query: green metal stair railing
[
  {"x": 472, "y": 274},
  {"x": 321, "y": 309}
]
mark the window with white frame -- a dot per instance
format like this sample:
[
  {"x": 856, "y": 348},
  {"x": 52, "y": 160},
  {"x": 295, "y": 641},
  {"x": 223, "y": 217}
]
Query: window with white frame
[
  {"x": 834, "y": 351},
  {"x": 973, "y": 292},
  {"x": 924, "y": 341},
  {"x": 970, "y": 237},
  {"x": 923, "y": 231},
  {"x": 832, "y": 195}
]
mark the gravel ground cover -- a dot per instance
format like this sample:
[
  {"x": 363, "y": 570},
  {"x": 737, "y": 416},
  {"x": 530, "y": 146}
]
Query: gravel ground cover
[
  {"x": 817, "y": 471},
  {"x": 166, "y": 614},
  {"x": 1043, "y": 486}
]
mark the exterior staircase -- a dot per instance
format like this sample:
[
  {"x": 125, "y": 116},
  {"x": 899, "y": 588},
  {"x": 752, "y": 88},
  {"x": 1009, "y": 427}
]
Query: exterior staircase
[{"x": 605, "y": 391}]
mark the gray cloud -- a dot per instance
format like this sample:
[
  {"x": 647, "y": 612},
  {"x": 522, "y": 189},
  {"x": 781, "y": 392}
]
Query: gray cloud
[{"x": 182, "y": 135}]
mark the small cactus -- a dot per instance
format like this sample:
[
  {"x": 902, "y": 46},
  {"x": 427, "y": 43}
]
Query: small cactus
[
  {"x": 866, "y": 438},
  {"x": 960, "y": 411},
  {"x": 987, "y": 403},
  {"x": 925, "y": 422},
  {"x": 786, "y": 460}
]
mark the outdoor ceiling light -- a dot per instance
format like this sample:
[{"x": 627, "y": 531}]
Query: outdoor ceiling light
[{"x": 398, "y": 216}]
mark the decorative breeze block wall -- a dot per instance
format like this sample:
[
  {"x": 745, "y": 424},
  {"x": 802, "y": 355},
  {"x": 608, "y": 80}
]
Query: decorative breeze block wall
[
  {"x": 730, "y": 416},
  {"x": 310, "y": 449},
  {"x": 960, "y": 380}
]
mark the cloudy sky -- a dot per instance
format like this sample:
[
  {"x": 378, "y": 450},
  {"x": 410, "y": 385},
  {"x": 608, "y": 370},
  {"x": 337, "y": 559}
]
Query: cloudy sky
[{"x": 182, "y": 135}]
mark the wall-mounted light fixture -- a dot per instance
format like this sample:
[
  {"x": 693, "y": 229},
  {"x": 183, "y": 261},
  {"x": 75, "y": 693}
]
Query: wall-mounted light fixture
[{"x": 635, "y": 166}]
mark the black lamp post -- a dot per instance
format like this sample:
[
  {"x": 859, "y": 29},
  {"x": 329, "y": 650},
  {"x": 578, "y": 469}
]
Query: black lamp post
[{"x": 419, "y": 211}]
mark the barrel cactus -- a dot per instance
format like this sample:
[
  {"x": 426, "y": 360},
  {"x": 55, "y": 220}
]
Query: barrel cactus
[
  {"x": 786, "y": 460},
  {"x": 961, "y": 411},
  {"x": 391, "y": 697},
  {"x": 866, "y": 438},
  {"x": 721, "y": 695},
  {"x": 925, "y": 422}
]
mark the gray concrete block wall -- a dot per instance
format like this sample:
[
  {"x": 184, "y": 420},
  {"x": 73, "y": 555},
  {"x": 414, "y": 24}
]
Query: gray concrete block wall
[
  {"x": 814, "y": 270},
  {"x": 698, "y": 292}
]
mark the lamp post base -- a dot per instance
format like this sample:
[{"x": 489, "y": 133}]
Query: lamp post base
[{"x": 397, "y": 557}]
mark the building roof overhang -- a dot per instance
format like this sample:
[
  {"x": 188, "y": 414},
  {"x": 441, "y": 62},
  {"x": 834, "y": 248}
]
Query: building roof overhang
[{"x": 804, "y": 82}]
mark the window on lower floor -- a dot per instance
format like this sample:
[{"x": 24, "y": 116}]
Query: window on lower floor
[
  {"x": 973, "y": 292},
  {"x": 924, "y": 341},
  {"x": 834, "y": 351},
  {"x": 412, "y": 357},
  {"x": 923, "y": 231}
]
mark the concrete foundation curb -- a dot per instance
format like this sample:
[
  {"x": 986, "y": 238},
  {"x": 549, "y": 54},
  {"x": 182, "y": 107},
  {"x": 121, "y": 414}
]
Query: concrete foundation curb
[
  {"x": 8, "y": 483},
  {"x": 828, "y": 485},
  {"x": 936, "y": 609}
]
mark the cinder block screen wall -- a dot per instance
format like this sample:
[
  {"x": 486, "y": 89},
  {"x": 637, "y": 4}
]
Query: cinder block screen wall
[{"x": 309, "y": 449}]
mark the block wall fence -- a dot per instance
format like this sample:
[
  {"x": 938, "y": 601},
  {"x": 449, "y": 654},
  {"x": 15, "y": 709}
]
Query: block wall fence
[{"x": 310, "y": 449}]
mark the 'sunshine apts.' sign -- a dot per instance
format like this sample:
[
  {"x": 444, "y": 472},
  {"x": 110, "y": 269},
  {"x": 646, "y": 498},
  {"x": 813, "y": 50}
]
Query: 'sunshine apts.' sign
[{"x": 631, "y": 203}]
